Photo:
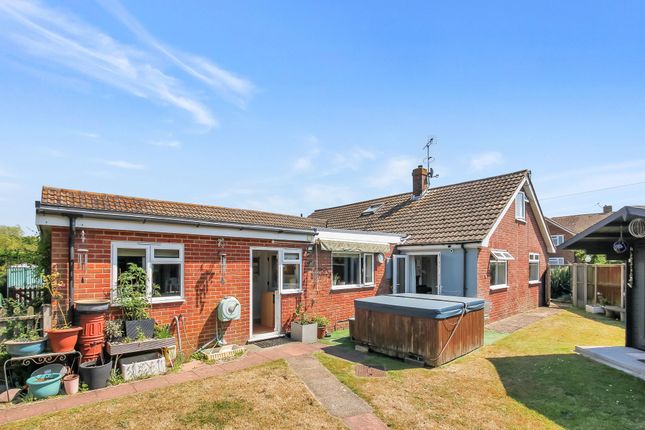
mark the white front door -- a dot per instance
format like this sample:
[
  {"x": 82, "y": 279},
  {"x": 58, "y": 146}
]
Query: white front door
[{"x": 399, "y": 274}]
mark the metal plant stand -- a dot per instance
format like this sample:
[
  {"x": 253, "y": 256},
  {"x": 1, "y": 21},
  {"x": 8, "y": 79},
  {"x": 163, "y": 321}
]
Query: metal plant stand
[{"x": 45, "y": 358}]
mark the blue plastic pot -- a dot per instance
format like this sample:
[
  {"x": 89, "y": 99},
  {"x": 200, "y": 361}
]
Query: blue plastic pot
[
  {"x": 22, "y": 349},
  {"x": 43, "y": 386}
]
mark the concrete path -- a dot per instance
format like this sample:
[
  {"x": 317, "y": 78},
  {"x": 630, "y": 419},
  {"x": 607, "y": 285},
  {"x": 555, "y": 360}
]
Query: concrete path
[
  {"x": 191, "y": 371},
  {"x": 339, "y": 400},
  {"x": 516, "y": 322}
]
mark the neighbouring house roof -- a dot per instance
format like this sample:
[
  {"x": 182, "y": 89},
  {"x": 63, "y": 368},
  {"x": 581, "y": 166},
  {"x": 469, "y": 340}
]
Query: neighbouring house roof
[
  {"x": 578, "y": 223},
  {"x": 552, "y": 222},
  {"x": 53, "y": 198},
  {"x": 458, "y": 213}
]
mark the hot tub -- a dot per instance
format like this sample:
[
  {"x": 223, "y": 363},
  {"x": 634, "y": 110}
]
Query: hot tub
[{"x": 429, "y": 328}]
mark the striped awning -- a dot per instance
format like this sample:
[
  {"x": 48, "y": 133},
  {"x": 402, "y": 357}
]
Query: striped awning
[{"x": 345, "y": 246}]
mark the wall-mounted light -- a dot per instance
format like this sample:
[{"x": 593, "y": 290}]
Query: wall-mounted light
[
  {"x": 380, "y": 258},
  {"x": 222, "y": 265}
]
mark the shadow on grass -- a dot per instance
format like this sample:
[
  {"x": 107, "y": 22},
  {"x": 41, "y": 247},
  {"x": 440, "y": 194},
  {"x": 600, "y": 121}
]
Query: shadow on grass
[
  {"x": 574, "y": 391},
  {"x": 595, "y": 317}
]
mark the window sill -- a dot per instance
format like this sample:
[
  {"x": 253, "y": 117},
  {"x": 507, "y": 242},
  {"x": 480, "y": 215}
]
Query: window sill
[
  {"x": 352, "y": 287},
  {"x": 287, "y": 292},
  {"x": 522, "y": 220},
  {"x": 168, "y": 300},
  {"x": 498, "y": 287},
  {"x": 534, "y": 283}
]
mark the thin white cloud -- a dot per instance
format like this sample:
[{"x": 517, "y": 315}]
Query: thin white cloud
[
  {"x": 61, "y": 38},
  {"x": 86, "y": 134},
  {"x": 121, "y": 164},
  {"x": 395, "y": 171},
  {"x": 166, "y": 143},
  {"x": 222, "y": 81},
  {"x": 485, "y": 160},
  {"x": 306, "y": 162},
  {"x": 51, "y": 152}
]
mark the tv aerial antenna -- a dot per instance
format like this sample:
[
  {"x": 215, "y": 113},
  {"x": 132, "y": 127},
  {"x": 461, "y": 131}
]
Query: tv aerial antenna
[{"x": 428, "y": 158}]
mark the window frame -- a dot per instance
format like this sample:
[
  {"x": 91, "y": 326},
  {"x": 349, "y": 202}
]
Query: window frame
[
  {"x": 149, "y": 260},
  {"x": 361, "y": 258},
  {"x": 499, "y": 256},
  {"x": 284, "y": 262},
  {"x": 520, "y": 206},
  {"x": 367, "y": 256},
  {"x": 534, "y": 258},
  {"x": 560, "y": 261},
  {"x": 557, "y": 239}
]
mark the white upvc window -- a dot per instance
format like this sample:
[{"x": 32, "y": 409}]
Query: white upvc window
[
  {"x": 163, "y": 263},
  {"x": 291, "y": 271},
  {"x": 556, "y": 261},
  {"x": 520, "y": 206},
  {"x": 534, "y": 267},
  {"x": 352, "y": 270},
  {"x": 499, "y": 268},
  {"x": 557, "y": 239}
]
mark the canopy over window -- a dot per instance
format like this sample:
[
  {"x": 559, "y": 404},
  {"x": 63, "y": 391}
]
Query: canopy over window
[
  {"x": 501, "y": 255},
  {"x": 345, "y": 246}
]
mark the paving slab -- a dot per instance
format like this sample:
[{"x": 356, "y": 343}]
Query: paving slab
[
  {"x": 516, "y": 322},
  {"x": 623, "y": 358},
  {"x": 339, "y": 400}
]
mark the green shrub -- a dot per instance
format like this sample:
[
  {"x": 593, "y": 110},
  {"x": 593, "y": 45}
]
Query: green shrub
[{"x": 560, "y": 281}]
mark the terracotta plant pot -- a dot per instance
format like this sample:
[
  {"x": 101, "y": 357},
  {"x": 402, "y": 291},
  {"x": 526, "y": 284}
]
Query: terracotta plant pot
[
  {"x": 70, "y": 382},
  {"x": 63, "y": 339},
  {"x": 321, "y": 331}
]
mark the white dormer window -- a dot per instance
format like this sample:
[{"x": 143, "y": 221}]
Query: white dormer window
[
  {"x": 373, "y": 208},
  {"x": 520, "y": 206}
]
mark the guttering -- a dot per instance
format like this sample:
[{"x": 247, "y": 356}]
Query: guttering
[{"x": 143, "y": 218}]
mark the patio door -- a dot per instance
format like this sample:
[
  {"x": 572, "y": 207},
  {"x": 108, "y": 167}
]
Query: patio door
[{"x": 400, "y": 273}]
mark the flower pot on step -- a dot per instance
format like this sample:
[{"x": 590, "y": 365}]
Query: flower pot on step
[
  {"x": 70, "y": 382},
  {"x": 95, "y": 375},
  {"x": 321, "y": 331},
  {"x": 305, "y": 333},
  {"x": 134, "y": 327},
  {"x": 63, "y": 339}
]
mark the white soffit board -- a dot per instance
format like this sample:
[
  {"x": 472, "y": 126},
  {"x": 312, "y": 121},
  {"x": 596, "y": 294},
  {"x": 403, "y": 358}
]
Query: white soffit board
[{"x": 158, "y": 227}]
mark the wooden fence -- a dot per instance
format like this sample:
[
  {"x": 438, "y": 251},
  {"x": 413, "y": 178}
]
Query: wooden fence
[{"x": 590, "y": 282}]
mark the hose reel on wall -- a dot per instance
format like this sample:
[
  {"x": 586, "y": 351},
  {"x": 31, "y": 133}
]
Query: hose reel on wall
[{"x": 229, "y": 309}]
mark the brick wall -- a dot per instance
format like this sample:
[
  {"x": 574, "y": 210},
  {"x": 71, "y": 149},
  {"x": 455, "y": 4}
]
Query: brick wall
[
  {"x": 203, "y": 288},
  {"x": 519, "y": 238}
]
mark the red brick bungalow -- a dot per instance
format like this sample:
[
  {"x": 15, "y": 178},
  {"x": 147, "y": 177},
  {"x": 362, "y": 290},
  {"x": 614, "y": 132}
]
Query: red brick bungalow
[
  {"x": 200, "y": 254},
  {"x": 485, "y": 238}
]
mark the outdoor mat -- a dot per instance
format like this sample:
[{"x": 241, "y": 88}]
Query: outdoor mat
[
  {"x": 272, "y": 342},
  {"x": 370, "y": 371}
]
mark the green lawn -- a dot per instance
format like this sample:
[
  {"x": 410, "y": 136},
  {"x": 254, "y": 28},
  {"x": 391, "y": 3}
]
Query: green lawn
[{"x": 528, "y": 379}]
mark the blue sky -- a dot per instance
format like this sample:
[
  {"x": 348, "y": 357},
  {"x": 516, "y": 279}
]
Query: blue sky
[{"x": 290, "y": 106}]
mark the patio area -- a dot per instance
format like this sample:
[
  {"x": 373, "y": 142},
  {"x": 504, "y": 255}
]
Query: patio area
[{"x": 625, "y": 359}]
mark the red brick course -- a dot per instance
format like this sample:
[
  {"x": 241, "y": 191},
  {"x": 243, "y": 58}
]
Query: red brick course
[{"x": 203, "y": 286}]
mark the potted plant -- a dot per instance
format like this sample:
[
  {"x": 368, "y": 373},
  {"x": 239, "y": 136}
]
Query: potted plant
[
  {"x": 26, "y": 342},
  {"x": 70, "y": 383},
  {"x": 62, "y": 336},
  {"x": 303, "y": 329},
  {"x": 322, "y": 323},
  {"x": 95, "y": 373},
  {"x": 134, "y": 302}
]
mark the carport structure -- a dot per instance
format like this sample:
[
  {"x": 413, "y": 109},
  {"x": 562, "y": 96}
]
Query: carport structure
[{"x": 613, "y": 237}]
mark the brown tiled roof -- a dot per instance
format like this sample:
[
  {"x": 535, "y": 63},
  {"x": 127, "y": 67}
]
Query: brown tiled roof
[
  {"x": 63, "y": 198},
  {"x": 579, "y": 223},
  {"x": 458, "y": 213}
]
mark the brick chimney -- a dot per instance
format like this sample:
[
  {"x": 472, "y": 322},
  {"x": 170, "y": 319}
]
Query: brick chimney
[
  {"x": 607, "y": 209},
  {"x": 419, "y": 180}
]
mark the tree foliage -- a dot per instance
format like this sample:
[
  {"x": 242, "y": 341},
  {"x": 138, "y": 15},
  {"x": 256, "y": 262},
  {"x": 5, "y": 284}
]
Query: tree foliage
[{"x": 16, "y": 248}]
